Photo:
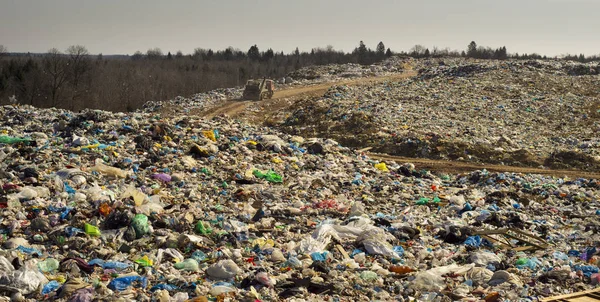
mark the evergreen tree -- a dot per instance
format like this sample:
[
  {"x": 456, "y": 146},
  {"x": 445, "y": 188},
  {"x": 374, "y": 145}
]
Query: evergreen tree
[
  {"x": 472, "y": 50},
  {"x": 362, "y": 53},
  {"x": 380, "y": 49},
  {"x": 254, "y": 53}
]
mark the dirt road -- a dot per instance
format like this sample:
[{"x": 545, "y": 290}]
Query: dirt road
[
  {"x": 454, "y": 167},
  {"x": 280, "y": 100}
]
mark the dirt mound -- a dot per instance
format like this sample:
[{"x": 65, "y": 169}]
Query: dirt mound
[
  {"x": 452, "y": 71},
  {"x": 572, "y": 159},
  {"x": 582, "y": 69}
]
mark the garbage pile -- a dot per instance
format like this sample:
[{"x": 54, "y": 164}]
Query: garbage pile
[
  {"x": 333, "y": 72},
  {"x": 138, "y": 206},
  {"x": 199, "y": 100},
  {"x": 526, "y": 113}
]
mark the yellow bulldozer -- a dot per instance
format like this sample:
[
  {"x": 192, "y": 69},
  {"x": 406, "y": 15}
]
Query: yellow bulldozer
[{"x": 258, "y": 90}]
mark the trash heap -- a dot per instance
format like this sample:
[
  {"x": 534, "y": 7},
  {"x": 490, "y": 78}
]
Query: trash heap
[
  {"x": 139, "y": 206},
  {"x": 525, "y": 113},
  {"x": 334, "y": 72},
  {"x": 199, "y": 100}
]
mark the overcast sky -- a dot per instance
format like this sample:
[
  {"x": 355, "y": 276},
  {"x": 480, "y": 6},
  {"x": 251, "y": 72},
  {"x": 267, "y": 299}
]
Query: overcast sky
[{"x": 551, "y": 27}]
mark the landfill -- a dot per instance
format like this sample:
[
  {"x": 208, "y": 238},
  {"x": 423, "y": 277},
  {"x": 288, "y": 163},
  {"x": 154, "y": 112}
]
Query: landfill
[
  {"x": 144, "y": 206},
  {"x": 307, "y": 76},
  {"x": 514, "y": 112}
]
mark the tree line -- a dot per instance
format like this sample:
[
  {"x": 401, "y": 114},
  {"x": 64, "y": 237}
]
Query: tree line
[{"x": 75, "y": 79}]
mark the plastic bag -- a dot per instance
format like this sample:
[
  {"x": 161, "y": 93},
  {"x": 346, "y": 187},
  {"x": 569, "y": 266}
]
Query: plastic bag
[
  {"x": 224, "y": 269},
  {"x": 50, "y": 287},
  {"x": 140, "y": 225},
  {"x": 5, "y": 266},
  {"x": 4, "y": 139},
  {"x": 122, "y": 283},
  {"x": 108, "y": 170},
  {"x": 484, "y": 258},
  {"x": 269, "y": 176},
  {"x": 137, "y": 195},
  {"x": 382, "y": 167},
  {"x": 376, "y": 244},
  {"x": 190, "y": 265},
  {"x": 210, "y": 134},
  {"x": 432, "y": 280},
  {"x": 144, "y": 261},
  {"x": 27, "y": 279}
]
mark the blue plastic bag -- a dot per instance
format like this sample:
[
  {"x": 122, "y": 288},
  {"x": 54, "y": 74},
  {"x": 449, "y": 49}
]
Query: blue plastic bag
[
  {"x": 474, "y": 241},
  {"x": 50, "y": 287},
  {"x": 122, "y": 283}
]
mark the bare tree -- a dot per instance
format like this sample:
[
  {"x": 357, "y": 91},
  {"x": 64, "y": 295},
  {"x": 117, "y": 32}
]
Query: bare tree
[
  {"x": 79, "y": 66},
  {"x": 79, "y": 62},
  {"x": 3, "y": 50},
  {"x": 418, "y": 50},
  {"x": 154, "y": 53},
  {"x": 55, "y": 67}
]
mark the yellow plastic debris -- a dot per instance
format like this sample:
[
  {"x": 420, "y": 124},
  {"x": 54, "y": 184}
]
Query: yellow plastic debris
[
  {"x": 381, "y": 167},
  {"x": 210, "y": 134},
  {"x": 264, "y": 243}
]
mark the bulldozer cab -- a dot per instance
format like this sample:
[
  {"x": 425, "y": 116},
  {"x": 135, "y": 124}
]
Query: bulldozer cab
[{"x": 259, "y": 89}]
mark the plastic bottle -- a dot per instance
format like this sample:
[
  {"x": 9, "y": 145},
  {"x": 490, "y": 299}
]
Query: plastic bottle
[{"x": 189, "y": 264}]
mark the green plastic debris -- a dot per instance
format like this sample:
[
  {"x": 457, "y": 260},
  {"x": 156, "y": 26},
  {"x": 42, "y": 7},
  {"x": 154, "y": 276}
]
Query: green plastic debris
[
  {"x": 145, "y": 261},
  {"x": 140, "y": 225},
  {"x": 200, "y": 228},
  {"x": 270, "y": 176},
  {"x": 436, "y": 200},
  {"x": 521, "y": 261},
  {"x": 48, "y": 265},
  {"x": 422, "y": 201},
  {"x": 91, "y": 230},
  {"x": 368, "y": 275},
  {"x": 189, "y": 264},
  {"x": 4, "y": 139}
]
